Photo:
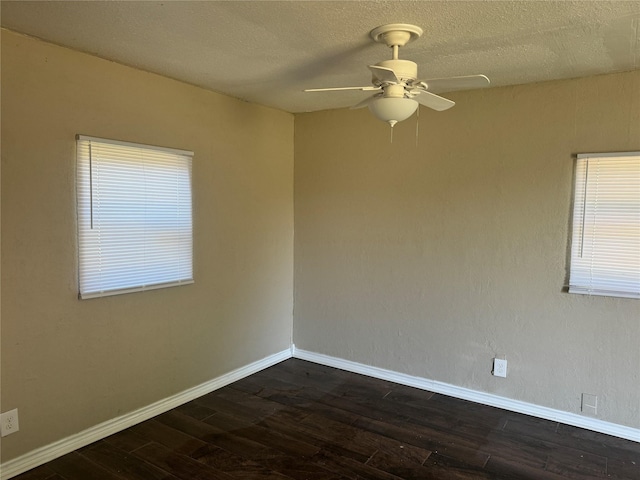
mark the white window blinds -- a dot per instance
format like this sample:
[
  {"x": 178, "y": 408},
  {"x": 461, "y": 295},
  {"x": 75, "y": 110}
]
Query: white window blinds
[
  {"x": 134, "y": 217},
  {"x": 605, "y": 247}
]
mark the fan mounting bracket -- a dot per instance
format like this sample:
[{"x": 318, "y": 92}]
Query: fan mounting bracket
[{"x": 396, "y": 34}]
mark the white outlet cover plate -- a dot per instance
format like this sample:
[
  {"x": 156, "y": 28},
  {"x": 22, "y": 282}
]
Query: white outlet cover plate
[
  {"x": 9, "y": 422},
  {"x": 499, "y": 367}
]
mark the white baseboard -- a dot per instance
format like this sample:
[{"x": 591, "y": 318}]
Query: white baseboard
[
  {"x": 61, "y": 447},
  {"x": 484, "y": 398}
]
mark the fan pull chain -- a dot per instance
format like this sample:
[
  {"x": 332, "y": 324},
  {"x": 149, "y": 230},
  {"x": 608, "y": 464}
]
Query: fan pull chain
[{"x": 391, "y": 135}]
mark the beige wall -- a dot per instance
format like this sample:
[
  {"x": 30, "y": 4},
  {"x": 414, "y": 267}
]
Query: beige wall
[
  {"x": 69, "y": 364},
  {"x": 430, "y": 259}
]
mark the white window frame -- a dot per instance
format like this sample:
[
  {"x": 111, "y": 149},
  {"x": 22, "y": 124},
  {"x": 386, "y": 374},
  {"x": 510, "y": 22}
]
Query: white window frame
[
  {"x": 605, "y": 245},
  {"x": 135, "y": 226}
]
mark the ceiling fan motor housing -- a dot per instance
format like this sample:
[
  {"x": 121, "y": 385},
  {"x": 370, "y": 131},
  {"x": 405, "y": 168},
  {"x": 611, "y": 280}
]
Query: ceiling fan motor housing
[{"x": 405, "y": 70}]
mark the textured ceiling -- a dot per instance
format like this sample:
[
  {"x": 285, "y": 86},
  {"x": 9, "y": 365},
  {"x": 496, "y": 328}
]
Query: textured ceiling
[{"x": 269, "y": 51}]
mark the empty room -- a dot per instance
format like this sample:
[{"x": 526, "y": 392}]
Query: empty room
[{"x": 320, "y": 240}]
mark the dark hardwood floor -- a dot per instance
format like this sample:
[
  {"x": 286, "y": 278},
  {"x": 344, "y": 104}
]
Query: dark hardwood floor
[{"x": 300, "y": 420}]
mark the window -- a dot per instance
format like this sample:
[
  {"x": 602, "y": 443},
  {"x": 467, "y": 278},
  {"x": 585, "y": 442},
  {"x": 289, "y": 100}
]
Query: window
[
  {"x": 605, "y": 247},
  {"x": 134, "y": 217}
]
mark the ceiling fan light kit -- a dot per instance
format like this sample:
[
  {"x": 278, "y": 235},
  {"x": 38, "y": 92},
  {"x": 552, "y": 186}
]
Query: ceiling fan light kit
[
  {"x": 400, "y": 92},
  {"x": 392, "y": 110}
]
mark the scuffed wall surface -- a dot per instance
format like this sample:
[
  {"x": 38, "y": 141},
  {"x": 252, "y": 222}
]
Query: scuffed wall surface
[
  {"x": 67, "y": 364},
  {"x": 431, "y": 258}
]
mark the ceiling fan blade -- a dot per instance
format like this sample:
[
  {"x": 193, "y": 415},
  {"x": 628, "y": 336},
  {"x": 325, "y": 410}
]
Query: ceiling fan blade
[
  {"x": 384, "y": 74},
  {"x": 365, "y": 102},
  {"x": 433, "y": 101},
  {"x": 332, "y": 89},
  {"x": 468, "y": 82}
]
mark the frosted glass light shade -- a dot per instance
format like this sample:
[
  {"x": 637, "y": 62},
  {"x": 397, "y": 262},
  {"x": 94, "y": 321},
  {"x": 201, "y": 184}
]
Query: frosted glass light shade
[{"x": 393, "y": 110}]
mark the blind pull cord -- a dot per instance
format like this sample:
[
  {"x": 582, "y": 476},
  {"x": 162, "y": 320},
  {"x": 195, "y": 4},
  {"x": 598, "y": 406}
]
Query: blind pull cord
[
  {"x": 91, "y": 185},
  {"x": 584, "y": 207}
]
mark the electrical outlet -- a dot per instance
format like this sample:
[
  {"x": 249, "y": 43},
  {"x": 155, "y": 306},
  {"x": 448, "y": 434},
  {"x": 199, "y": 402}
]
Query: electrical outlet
[
  {"x": 589, "y": 404},
  {"x": 9, "y": 422},
  {"x": 499, "y": 367}
]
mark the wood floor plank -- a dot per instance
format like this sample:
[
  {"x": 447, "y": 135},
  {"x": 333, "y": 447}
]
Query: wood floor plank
[
  {"x": 127, "y": 440},
  {"x": 443, "y": 466},
  {"x": 403, "y": 467},
  {"x": 179, "y": 465},
  {"x": 283, "y": 419},
  {"x": 256, "y": 405},
  {"x": 512, "y": 469},
  {"x": 342, "y": 448},
  {"x": 368, "y": 442},
  {"x": 74, "y": 466},
  {"x": 175, "y": 440},
  {"x": 212, "y": 435},
  {"x": 427, "y": 439},
  {"x": 124, "y": 464},
  {"x": 292, "y": 466},
  {"x": 285, "y": 464},
  {"x": 622, "y": 469},
  {"x": 465, "y": 410},
  {"x": 328, "y": 380},
  {"x": 573, "y": 463},
  {"x": 194, "y": 410},
  {"x": 408, "y": 395},
  {"x": 376, "y": 407},
  {"x": 294, "y": 399},
  {"x": 372, "y": 407},
  {"x": 267, "y": 437},
  {"x": 43, "y": 472},
  {"x": 298, "y": 468},
  {"x": 234, "y": 402},
  {"x": 258, "y": 382},
  {"x": 235, "y": 465},
  {"x": 350, "y": 468},
  {"x": 594, "y": 442}
]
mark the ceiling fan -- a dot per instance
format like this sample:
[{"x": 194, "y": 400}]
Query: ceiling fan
[{"x": 396, "y": 81}]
